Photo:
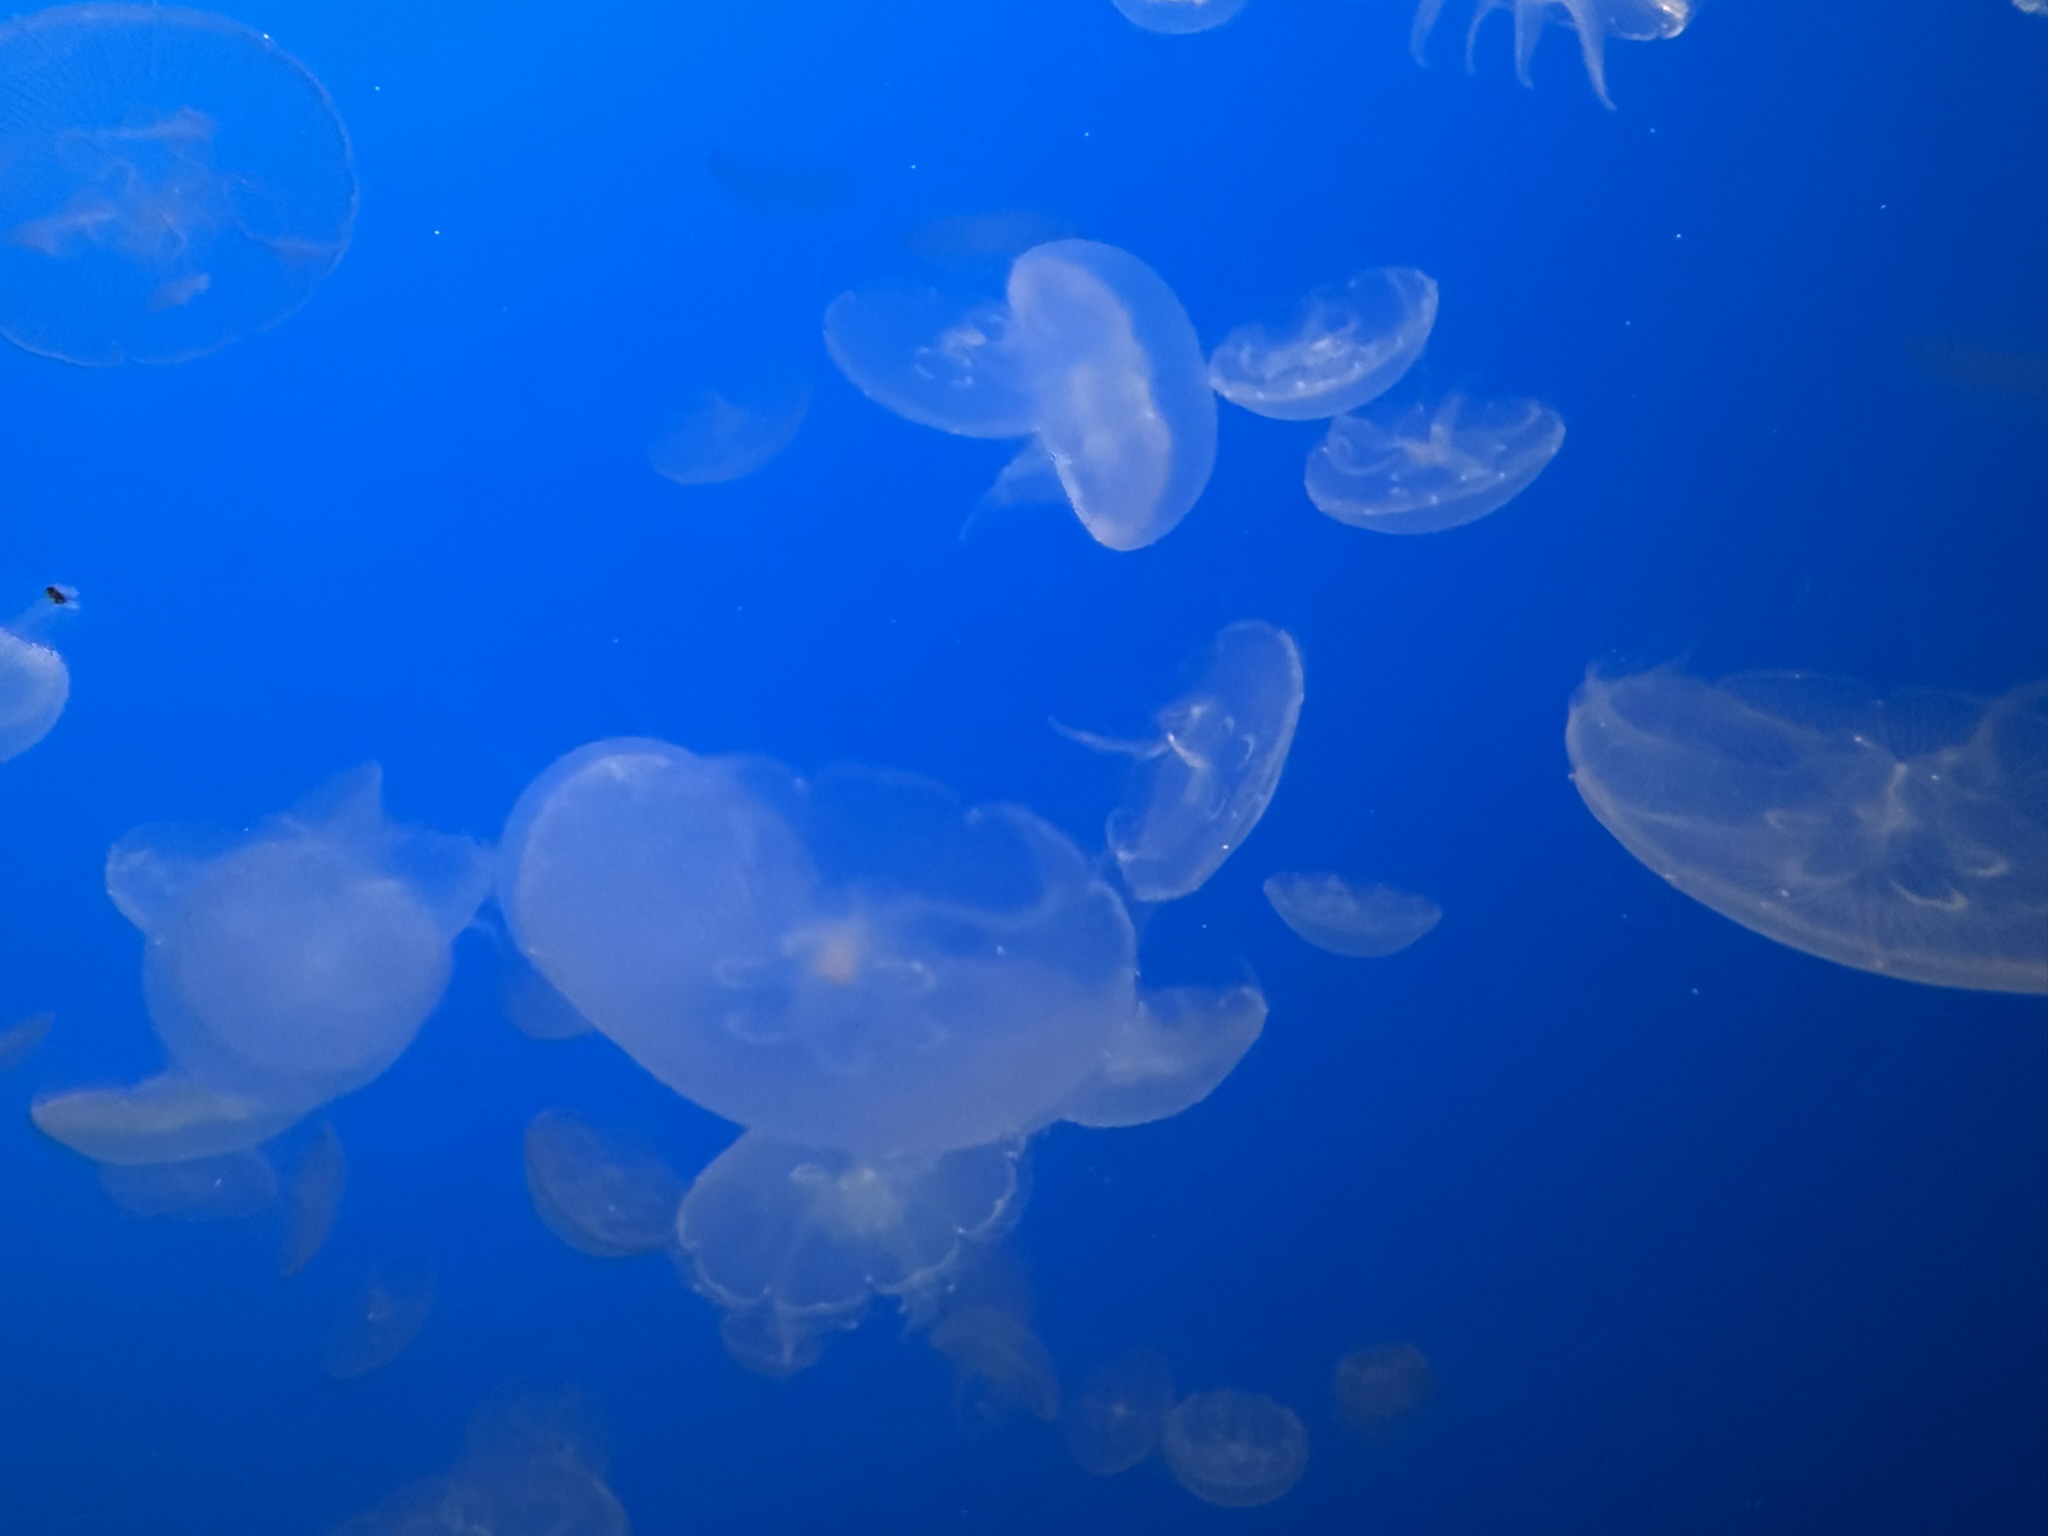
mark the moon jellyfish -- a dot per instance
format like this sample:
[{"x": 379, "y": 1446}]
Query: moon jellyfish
[
  {"x": 313, "y": 1201},
  {"x": 1362, "y": 921},
  {"x": 18, "y": 1041},
  {"x": 601, "y": 1192},
  {"x": 855, "y": 961},
  {"x": 1173, "y": 1052},
  {"x": 1001, "y": 1365},
  {"x": 1636, "y": 21},
  {"x": 1202, "y": 783},
  {"x": 529, "y": 1000},
  {"x": 1179, "y": 16},
  {"x": 727, "y": 433},
  {"x": 1374, "y": 1387},
  {"x": 1906, "y": 836},
  {"x": 170, "y": 180},
  {"x": 1090, "y": 354},
  {"x": 34, "y": 682},
  {"x": 224, "y": 1188},
  {"x": 1347, "y": 344},
  {"x": 385, "y": 1315},
  {"x": 165, "y": 1119},
  {"x": 1232, "y": 1448},
  {"x": 1115, "y": 1421},
  {"x": 1424, "y": 471},
  {"x": 792, "y": 1242}
]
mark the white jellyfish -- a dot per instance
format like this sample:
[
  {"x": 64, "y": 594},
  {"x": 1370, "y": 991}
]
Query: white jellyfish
[
  {"x": 1173, "y": 1052},
  {"x": 1090, "y": 355},
  {"x": 313, "y": 1200},
  {"x": 600, "y": 1191},
  {"x": 1236, "y": 1449},
  {"x": 224, "y": 1188},
  {"x": 1347, "y": 344},
  {"x": 34, "y": 682},
  {"x": 729, "y": 430},
  {"x": 1636, "y": 21},
  {"x": 1906, "y": 836},
  {"x": 1345, "y": 918},
  {"x": 1115, "y": 1420},
  {"x": 1201, "y": 784},
  {"x": 384, "y": 1315},
  {"x": 1179, "y": 16},
  {"x": 855, "y": 961},
  {"x": 281, "y": 970},
  {"x": 1423, "y": 471}
]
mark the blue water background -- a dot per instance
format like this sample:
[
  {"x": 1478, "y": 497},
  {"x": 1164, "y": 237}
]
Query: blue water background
[{"x": 1702, "y": 1236}]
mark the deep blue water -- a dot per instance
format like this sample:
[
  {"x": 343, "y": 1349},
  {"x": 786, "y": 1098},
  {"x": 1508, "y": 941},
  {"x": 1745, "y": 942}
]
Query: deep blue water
[{"x": 1702, "y": 1236}]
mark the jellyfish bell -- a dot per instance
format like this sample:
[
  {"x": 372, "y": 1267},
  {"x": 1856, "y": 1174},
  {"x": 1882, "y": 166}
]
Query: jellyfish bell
[
  {"x": 1176, "y": 1049},
  {"x": 1114, "y": 1422},
  {"x": 934, "y": 359},
  {"x": 35, "y": 684},
  {"x": 600, "y": 1191},
  {"x": 1373, "y": 1387},
  {"x": 169, "y": 1118},
  {"x": 1235, "y": 1449},
  {"x": 1426, "y": 470},
  {"x": 1347, "y": 344},
  {"x": 1593, "y": 20},
  {"x": 729, "y": 429},
  {"x": 1347, "y": 918},
  {"x": 1179, "y": 16},
  {"x": 170, "y": 180}
]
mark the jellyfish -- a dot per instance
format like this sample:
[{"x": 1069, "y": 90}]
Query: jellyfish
[
  {"x": 1362, "y": 921},
  {"x": 1908, "y": 836},
  {"x": 18, "y": 1041},
  {"x": 1424, "y": 471},
  {"x": 793, "y": 1242},
  {"x": 1000, "y": 1365},
  {"x": 1347, "y": 344},
  {"x": 281, "y": 971},
  {"x": 224, "y": 1188},
  {"x": 601, "y": 1192},
  {"x": 529, "y": 1000},
  {"x": 1179, "y": 16},
  {"x": 856, "y": 961},
  {"x": 727, "y": 433},
  {"x": 1374, "y": 1387},
  {"x": 1201, "y": 784},
  {"x": 1089, "y": 354},
  {"x": 170, "y": 180},
  {"x": 1236, "y": 1449},
  {"x": 313, "y": 1200},
  {"x": 1173, "y": 1052},
  {"x": 1115, "y": 1421},
  {"x": 384, "y": 1316},
  {"x": 34, "y": 682},
  {"x": 1636, "y": 21}
]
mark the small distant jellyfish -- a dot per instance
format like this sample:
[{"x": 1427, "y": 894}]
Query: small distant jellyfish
[
  {"x": 728, "y": 432},
  {"x": 1000, "y": 1364},
  {"x": 1636, "y": 21},
  {"x": 313, "y": 1201},
  {"x": 19, "y": 1040},
  {"x": 34, "y": 682},
  {"x": 1236, "y": 1449},
  {"x": 1365, "y": 922},
  {"x": 225, "y": 1188},
  {"x": 385, "y": 1315},
  {"x": 1425, "y": 471},
  {"x": 2032, "y": 7},
  {"x": 1115, "y": 1421},
  {"x": 1374, "y": 1387},
  {"x": 602, "y": 1192},
  {"x": 1348, "y": 344},
  {"x": 170, "y": 180},
  {"x": 1179, "y": 16}
]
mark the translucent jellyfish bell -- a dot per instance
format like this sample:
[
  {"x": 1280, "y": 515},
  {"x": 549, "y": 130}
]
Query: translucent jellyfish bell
[
  {"x": 793, "y": 1242},
  {"x": 1173, "y": 1052},
  {"x": 1236, "y": 1449},
  {"x": 1180, "y": 16},
  {"x": 1000, "y": 1365},
  {"x": 1424, "y": 471},
  {"x": 1199, "y": 787},
  {"x": 935, "y": 360},
  {"x": 728, "y": 431},
  {"x": 858, "y": 961},
  {"x": 1365, "y": 922},
  {"x": 601, "y": 1192},
  {"x": 1907, "y": 836},
  {"x": 1115, "y": 1421},
  {"x": 1638, "y": 21},
  {"x": 34, "y": 682},
  {"x": 1346, "y": 344},
  {"x": 1374, "y": 1387},
  {"x": 170, "y": 180}
]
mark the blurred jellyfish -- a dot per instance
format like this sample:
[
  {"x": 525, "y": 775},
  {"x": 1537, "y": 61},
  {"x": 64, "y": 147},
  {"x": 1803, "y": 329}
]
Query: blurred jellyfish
[
  {"x": 1374, "y": 1387},
  {"x": 1233, "y": 1448},
  {"x": 313, "y": 1201},
  {"x": 34, "y": 682},
  {"x": 793, "y": 1242},
  {"x": 1347, "y": 344},
  {"x": 727, "y": 433},
  {"x": 1636, "y": 21},
  {"x": 18, "y": 1041},
  {"x": 1001, "y": 1366},
  {"x": 224, "y": 1188},
  {"x": 1906, "y": 836},
  {"x": 1115, "y": 1421},
  {"x": 1173, "y": 1052},
  {"x": 281, "y": 971},
  {"x": 601, "y": 1192},
  {"x": 1179, "y": 16},
  {"x": 529, "y": 1000},
  {"x": 1423, "y": 471},
  {"x": 2032, "y": 7},
  {"x": 383, "y": 1317},
  {"x": 170, "y": 180},
  {"x": 1362, "y": 921},
  {"x": 1090, "y": 354},
  {"x": 1201, "y": 785},
  {"x": 856, "y": 961}
]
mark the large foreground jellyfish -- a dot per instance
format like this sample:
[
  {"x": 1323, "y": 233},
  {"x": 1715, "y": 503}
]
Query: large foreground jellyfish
[
  {"x": 1346, "y": 344},
  {"x": 35, "y": 684},
  {"x": 1423, "y": 471},
  {"x": 281, "y": 970},
  {"x": 1089, "y": 355},
  {"x": 1199, "y": 786},
  {"x": 1906, "y": 836},
  {"x": 170, "y": 180},
  {"x": 1636, "y": 21},
  {"x": 856, "y": 961},
  {"x": 1180, "y": 16},
  {"x": 1365, "y": 922}
]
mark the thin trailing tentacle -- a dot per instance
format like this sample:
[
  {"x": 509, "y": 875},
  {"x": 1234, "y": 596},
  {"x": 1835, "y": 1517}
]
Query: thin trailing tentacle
[
  {"x": 1528, "y": 32},
  {"x": 1592, "y": 27},
  {"x": 1484, "y": 9},
  {"x": 1425, "y": 18}
]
